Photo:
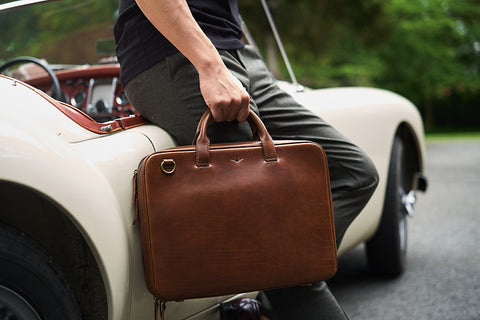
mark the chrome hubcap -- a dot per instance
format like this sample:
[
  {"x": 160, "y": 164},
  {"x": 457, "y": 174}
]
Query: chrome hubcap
[
  {"x": 408, "y": 201},
  {"x": 15, "y": 307}
]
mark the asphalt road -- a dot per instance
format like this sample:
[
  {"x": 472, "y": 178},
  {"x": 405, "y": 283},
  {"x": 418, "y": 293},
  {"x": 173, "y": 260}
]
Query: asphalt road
[{"x": 442, "y": 280}]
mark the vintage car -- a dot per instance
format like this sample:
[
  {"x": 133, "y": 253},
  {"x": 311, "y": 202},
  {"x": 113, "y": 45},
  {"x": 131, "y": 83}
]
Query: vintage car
[{"x": 68, "y": 249}]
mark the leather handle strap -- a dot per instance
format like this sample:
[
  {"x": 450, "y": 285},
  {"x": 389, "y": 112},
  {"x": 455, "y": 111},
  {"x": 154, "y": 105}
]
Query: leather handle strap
[{"x": 202, "y": 142}]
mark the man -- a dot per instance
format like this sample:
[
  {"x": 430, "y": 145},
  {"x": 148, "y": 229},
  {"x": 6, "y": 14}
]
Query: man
[{"x": 179, "y": 57}]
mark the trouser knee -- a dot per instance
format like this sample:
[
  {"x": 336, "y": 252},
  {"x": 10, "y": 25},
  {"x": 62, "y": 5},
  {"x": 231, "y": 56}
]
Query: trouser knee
[{"x": 370, "y": 175}]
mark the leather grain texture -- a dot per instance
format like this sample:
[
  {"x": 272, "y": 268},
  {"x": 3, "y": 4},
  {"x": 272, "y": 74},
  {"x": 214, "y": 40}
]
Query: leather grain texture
[{"x": 230, "y": 219}]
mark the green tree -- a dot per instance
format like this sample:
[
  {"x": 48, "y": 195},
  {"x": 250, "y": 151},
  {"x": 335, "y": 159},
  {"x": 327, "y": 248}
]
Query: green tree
[
  {"x": 327, "y": 41},
  {"x": 433, "y": 50},
  {"x": 61, "y": 31},
  {"x": 426, "y": 50}
]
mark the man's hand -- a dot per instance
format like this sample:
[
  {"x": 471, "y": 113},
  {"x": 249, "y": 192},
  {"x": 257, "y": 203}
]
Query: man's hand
[{"x": 224, "y": 96}]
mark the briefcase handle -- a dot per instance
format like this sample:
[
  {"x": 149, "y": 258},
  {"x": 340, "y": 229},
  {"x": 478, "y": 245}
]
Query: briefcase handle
[{"x": 202, "y": 142}]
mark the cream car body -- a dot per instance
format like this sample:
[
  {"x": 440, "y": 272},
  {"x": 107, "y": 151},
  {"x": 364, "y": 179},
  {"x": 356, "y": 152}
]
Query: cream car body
[
  {"x": 87, "y": 177},
  {"x": 370, "y": 118}
]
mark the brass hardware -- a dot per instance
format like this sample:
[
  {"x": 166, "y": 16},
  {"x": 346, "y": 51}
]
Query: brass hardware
[{"x": 168, "y": 166}]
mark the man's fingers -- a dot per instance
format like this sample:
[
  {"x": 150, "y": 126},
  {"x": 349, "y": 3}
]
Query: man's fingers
[
  {"x": 235, "y": 108},
  {"x": 217, "y": 114},
  {"x": 240, "y": 107},
  {"x": 243, "y": 114},
  {"x": 226, "y": 97}
]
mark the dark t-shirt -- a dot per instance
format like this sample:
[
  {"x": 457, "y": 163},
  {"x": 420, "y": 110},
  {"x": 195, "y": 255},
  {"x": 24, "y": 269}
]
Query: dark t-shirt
[{"x": 139, "y": 45}]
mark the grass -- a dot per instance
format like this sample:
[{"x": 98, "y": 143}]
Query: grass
[{"x": 459, "y": 135}]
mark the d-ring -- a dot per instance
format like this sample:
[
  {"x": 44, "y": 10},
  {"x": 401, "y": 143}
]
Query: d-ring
[{"x": 168, "y": 166}]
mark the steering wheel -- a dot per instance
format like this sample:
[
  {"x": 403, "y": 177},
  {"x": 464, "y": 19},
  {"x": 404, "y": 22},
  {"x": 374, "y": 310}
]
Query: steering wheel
[{"x": 56, "y": 91}]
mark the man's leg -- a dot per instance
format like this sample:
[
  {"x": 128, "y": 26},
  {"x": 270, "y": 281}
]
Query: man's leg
[
  {"x": 353, "y": 175},
  {"x": 168, "y": 94},
  {"x": 353, "y": 180},
  {"x": 312, "y": 302}
]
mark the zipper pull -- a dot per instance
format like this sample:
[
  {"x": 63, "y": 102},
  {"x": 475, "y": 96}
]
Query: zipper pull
[
  {"x": 135, "y": 196},
  {"x": 159, "y": 309}
]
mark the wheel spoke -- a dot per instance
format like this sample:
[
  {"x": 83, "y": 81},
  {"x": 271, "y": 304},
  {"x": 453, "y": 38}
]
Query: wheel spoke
[{"x": 408, "y": 201}]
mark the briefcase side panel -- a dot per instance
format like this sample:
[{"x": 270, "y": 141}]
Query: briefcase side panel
[{"x": 143, "y": 219}]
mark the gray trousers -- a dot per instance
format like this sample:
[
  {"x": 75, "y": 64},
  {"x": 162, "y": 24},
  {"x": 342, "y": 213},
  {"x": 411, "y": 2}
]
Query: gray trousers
[{"x": 168, "y": 94}]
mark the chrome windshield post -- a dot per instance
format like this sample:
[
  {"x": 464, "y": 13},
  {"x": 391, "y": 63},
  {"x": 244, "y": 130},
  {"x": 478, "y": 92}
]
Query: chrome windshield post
[{"x": 298, "y": 87}]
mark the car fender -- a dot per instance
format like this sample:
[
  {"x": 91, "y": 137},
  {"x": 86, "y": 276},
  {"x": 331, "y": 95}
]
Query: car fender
[
  {"x": 36, "y": 153},
  {"x": 69, "y": 180},
  {"x": 370, "y": 118}
]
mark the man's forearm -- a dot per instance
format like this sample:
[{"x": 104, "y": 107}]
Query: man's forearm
[
  {"x": 175, "y": 21},
  {"x": 222, "y": 93}
]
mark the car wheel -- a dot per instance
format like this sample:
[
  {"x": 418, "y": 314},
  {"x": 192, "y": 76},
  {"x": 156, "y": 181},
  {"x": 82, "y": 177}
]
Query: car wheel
[
  {"x": 386, "y": 250},
  {"x": 31, "y": 286}
]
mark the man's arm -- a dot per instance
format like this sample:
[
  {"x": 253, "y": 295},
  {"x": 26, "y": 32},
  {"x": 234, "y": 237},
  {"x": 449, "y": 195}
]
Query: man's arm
[{"x": 223, "y": 95}]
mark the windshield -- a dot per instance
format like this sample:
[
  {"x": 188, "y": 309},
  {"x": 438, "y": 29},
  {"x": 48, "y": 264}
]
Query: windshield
[{"x": 61, "y": 32}]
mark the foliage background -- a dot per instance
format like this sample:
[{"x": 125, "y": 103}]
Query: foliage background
[{"x": 426, "y": 50}]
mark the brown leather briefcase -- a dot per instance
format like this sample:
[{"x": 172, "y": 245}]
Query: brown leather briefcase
[{"x": 238, "y": 217}]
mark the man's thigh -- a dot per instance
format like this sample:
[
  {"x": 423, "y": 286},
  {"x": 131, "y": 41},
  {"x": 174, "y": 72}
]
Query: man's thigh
[
  {"x": 168, "y": 94},
  {"x": 353, "y": 176}
]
